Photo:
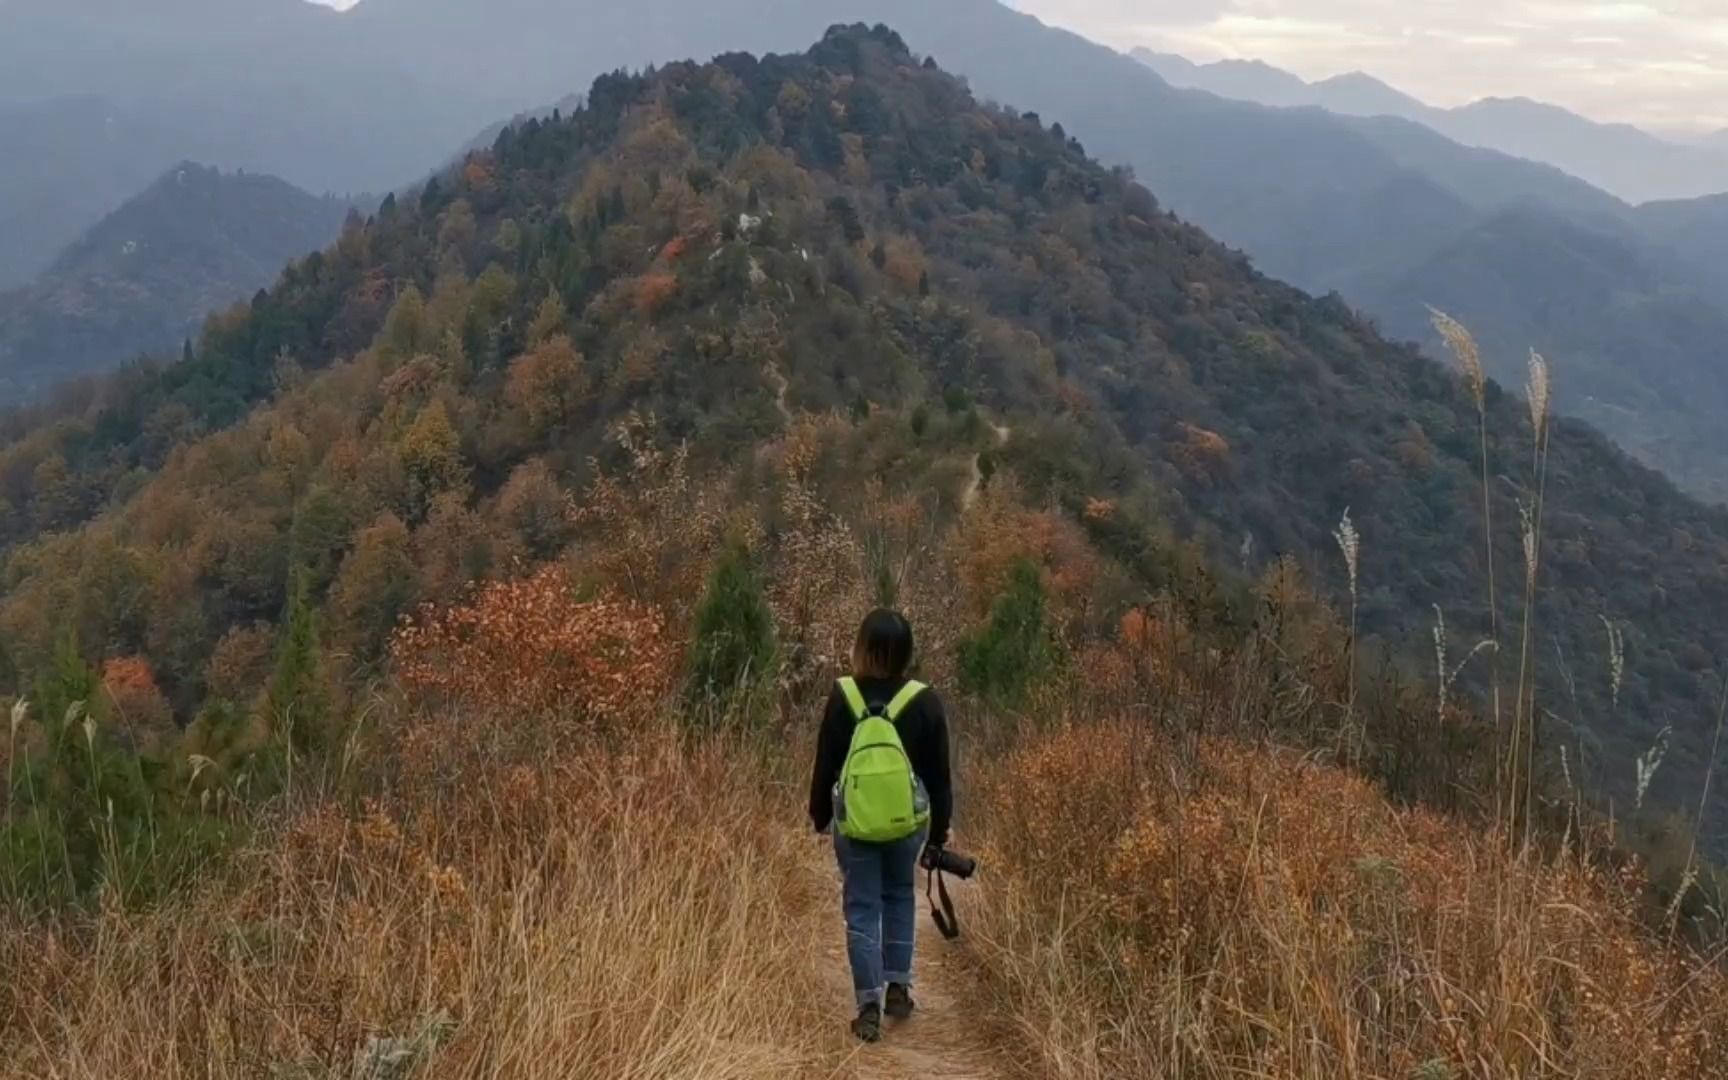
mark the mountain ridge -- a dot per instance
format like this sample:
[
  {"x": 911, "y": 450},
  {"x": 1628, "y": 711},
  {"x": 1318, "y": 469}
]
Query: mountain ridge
[{"x": 862, "y": 221}]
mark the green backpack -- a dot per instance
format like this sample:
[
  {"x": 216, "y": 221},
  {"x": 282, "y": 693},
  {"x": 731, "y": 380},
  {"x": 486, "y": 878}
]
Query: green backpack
[{"x": 879, "y": 799}]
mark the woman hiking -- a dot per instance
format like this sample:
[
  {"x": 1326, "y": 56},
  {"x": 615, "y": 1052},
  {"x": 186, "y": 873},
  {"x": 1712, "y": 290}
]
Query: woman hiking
[{"x": 881, "y": 784}]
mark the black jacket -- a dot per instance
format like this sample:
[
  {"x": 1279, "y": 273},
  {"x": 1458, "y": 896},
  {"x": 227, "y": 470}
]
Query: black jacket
[{"x": 923, "y": 729}]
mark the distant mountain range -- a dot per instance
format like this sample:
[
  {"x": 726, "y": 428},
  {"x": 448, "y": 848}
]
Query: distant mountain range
[
  {"x": 1627, "y": 161},
  {"x": 102, "y": 96},
  {"x": 144, "y": 278},
  {"x": 1631, "y": 301},
  {"x": 1388, "y": 211}
]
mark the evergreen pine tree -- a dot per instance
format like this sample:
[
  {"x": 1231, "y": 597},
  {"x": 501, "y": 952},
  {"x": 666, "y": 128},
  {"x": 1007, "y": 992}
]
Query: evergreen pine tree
[
  {"x": 733, "y": 651},
  {"x": 845, "y": 215},
  {"x": 295, "y": 699},
  {"x": 431, "y": 197},
  {"x": 71, "y": 682},
  {"x": 8, "y": 670},
  {"x": 1016, "y": 650}
]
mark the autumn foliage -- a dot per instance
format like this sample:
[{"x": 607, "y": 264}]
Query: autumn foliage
[
  {"x": 512, "y": 822},
  {"x": 1202, "y": 455},
  {"x": 652, "y": 292},
  {"x": 548, "y": 383},
  {"x": 1002, "y": 533},
  {"x": 138, "y": 705},
  {"x": 1327, "y": 932},
  {"x": 532, "y": 646}
]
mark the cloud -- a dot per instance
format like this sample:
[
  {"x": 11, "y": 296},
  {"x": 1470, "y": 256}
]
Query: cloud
[
  {"x": 1128, "y": 12},
  {"x": 1652, "y": 61}
]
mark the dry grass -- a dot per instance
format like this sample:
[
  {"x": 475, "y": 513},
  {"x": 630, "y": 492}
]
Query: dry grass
[
  {"x": 590, "y": 913},
  {"x": 1223, "y": 911}
]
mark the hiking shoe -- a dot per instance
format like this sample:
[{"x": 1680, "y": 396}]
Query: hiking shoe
[
  {"x": 868, "y": 1026},
  {"x": 900, "y": 1003}
]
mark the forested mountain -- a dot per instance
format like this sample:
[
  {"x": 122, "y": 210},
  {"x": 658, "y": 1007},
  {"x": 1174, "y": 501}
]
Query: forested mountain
[
  {"x": 720, "y": 247},
  {"x": 370, "y": 98},
  {"x": 1633, "y": 164},
  {"x": 145, "y": 277}
]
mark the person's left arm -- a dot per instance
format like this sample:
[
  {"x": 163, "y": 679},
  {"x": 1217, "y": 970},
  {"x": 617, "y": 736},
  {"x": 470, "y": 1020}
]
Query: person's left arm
[{"x": 933, "y": 768}]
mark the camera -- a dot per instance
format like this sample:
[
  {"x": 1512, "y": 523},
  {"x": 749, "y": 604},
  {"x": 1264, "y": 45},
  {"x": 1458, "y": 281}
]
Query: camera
[{"x": 949, "y": 862}]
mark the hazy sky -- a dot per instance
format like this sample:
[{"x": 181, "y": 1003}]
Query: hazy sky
[
  {"x": 1660, "y": 63},
  {"x": 1663, "y": 63}
]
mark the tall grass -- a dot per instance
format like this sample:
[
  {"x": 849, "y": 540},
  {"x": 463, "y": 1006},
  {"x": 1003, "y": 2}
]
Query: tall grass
[
  {"x": 1251, "y": 912},
  {"x": 633, "y": 911}
]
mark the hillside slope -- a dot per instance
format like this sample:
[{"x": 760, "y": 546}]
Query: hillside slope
[
  {"x": 1695, "y": 228},
  {"x": 855, "y": 223},
  {"x": 145, "y": 277},
  {"x": 1630, "y": 332}
]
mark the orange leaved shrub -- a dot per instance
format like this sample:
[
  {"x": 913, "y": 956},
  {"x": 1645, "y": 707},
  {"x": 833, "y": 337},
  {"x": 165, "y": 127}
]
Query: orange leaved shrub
[
  {"x": 138, "y": 705},
  {"x": 1000, "y": 534},
  {"x": 532, "y": 645}
]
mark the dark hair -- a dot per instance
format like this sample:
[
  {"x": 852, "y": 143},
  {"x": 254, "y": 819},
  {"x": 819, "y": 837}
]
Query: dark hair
[{"x": 884, "y": 647}]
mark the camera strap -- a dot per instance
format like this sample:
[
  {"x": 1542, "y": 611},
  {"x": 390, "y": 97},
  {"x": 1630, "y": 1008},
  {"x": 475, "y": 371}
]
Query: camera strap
[{"x": 944, "y": 916}]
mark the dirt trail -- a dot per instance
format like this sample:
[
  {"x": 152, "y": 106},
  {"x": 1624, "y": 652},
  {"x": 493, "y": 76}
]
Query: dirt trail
[
  {"x": 976, "y": 484},
  {"x": 777, "y": 379},
  {"x": 941, "y": 1039}
]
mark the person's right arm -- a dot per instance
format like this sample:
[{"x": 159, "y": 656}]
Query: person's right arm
[{"x": 831, "y": 742}]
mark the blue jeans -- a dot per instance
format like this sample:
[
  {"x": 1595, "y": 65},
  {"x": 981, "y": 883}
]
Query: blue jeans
[{"x": 880, "y": 898}]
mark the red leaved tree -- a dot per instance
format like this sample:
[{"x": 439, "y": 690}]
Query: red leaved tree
[{"x": 139, "y": 708}]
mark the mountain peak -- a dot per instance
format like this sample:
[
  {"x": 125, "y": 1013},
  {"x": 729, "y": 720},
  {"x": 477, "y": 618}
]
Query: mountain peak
[
  {"x": 1357, "y": 93},
  {"x": 1353, "y": 78}
]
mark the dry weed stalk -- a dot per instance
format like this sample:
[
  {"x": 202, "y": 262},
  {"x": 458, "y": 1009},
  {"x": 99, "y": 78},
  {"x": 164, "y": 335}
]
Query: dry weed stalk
[
  {"x": 1521, "y": 772},
  {"x": 1350, "y": 546},
  {"x": 1616, "y": 659},
  {"x": 1463, "y": 346}
]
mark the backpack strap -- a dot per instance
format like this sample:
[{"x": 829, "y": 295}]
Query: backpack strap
[
  {"x": 907, "y": 695},
  {"x": 854, "y": 698},
  {"x": 861, "y": 708}
]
